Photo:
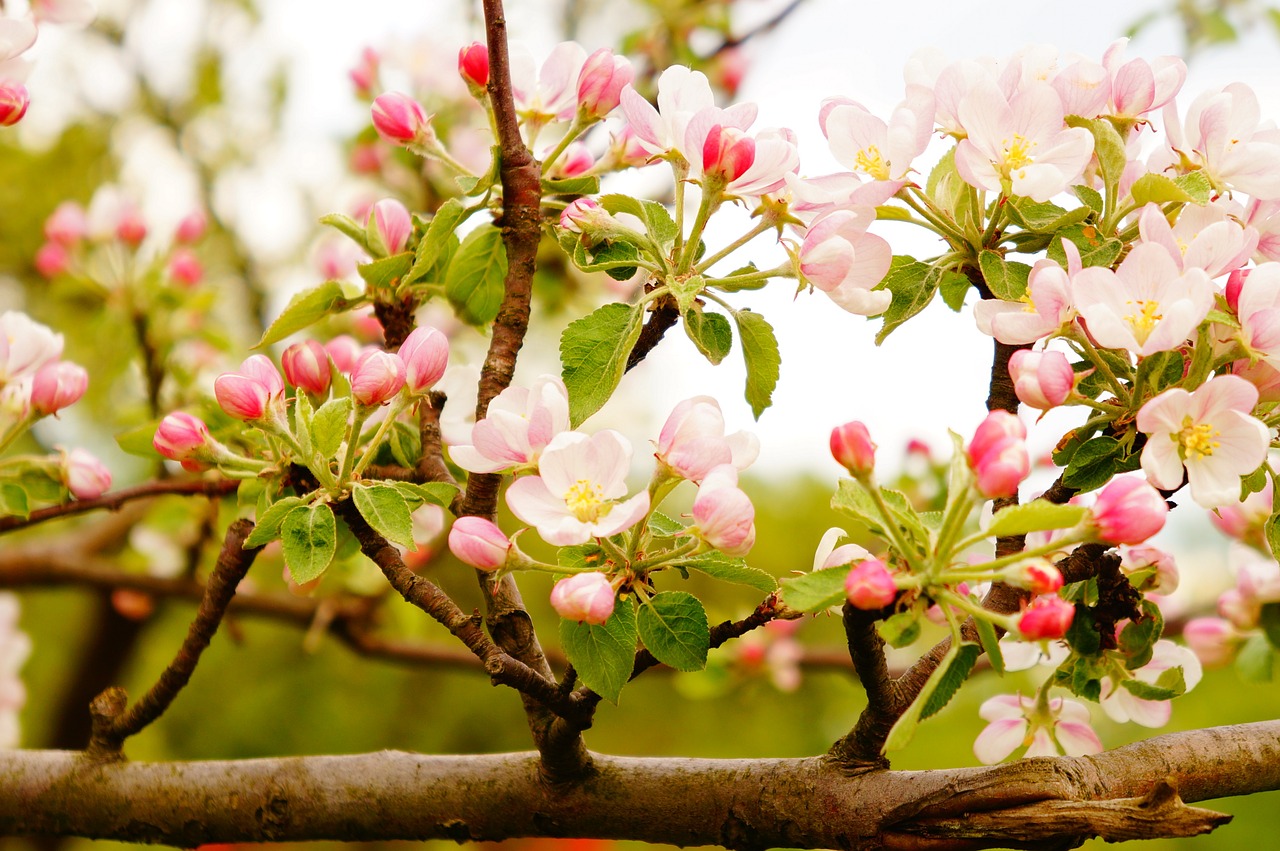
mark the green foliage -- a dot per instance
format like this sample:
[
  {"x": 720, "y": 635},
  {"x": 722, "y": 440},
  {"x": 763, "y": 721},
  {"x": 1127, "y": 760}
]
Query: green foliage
[
  {"x": 474, "y": 282},
  {"x": 385, "y": 509},
  {"x": 1007, "y": 280},
  {"x": 710, "y": 333},
  {"x": 813, "y": 592},
  {"x": 593, "y": 356},
  {"x": 603, "y": 654},
  {"x": 309, "y": 536},
  {"x": 1035, "y": 516},
  {"x": 673, "y": 626},
  {"x": 763, "y": 360},
  {"x": 329, "y": 426},
  {"x": 730, "y": 569},
  {"x": 912, "y": 285}
]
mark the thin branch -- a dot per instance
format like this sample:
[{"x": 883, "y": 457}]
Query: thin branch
[
  {"x": 662, "y": 317},
  {"x": 115, "y": 499},
  {"x": 771, "y": 24},
  {"x": 861, "y": 746},
  {"x": 112, "y": 724}
]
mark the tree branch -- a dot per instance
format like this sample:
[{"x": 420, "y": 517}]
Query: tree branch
[{"x": 115, "y": 499}]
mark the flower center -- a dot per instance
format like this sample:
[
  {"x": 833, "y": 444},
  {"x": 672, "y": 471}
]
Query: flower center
[
  {"x": 586, "y": 500},
  {"x": 871, "y": 161},
  {"x": 1028, "y": 303},
  {"x": 1196, "y": 440},
  {"x": 1017, "y": 153},
  {"x": 1144, "y": 321}
]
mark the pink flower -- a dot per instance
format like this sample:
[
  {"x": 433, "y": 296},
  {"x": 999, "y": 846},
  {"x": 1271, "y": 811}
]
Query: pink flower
[
  {"x": 1122, "y": 705},
  {"x": 997, "y": 425},
  {"x": 131, "y": 227},
  {"x": 425, "y": 353},
  {"x": 1207, "y": 237},
  {"x": 724, "y": 513},
  {"x": 1038, "y": 576},
  {"x": 1244, "y": 520},
  {"x": 25, "y": 346},
  {"x": 401, "y": 120},
  {"x": 58, "y": 385},
  {"x": 192, "y": 227},
  {"x": 1209, "y": 433},
  {"x": 390, "y": 225},
  {"x": 840, "y": 258},
  {"x": 1047, "y": 617},
  {"x": 67, "y": 224},
  {"x": 1147, "y": 305},
  {"x": 601, "y": 82},
  {"x": 1059, "y": 726},
  {"x": 52, "y": 259},
  {"x": 84, "y": 475},
  {"x": 870, "y": 586},
  {"x": 865, "y": 144},
  {"x": 692, "y": 441},
  {"x": 76, "y": 13},
  {"x": 1150, "y": 569},
  {"x": 584, "y": 597},
  {"x": 479, "y": 543},
  {"x": 364, "y": 74},
  {"x": 1213, "y": 640},
  {"x": 1043, "y": 311},
  {"x": 16, "y": 36},
  {"x": 851, "y": 446},
  {"x": 579, "y": 492},
  {"x": 1042, "y": 380},
  {"x": 583, "y": 215},
  {"x": 1137, "y": 86},
  {"x": 1129, "y": 511},
  {"x": 727, "y": 153},
  {"x": 306, "y": 366},
  {"x": 551, "y": 93},
  {"x": 682, "y": 93},
  {"x": 829, "y": 555},
  {"x": 518, "y": 425},
  {"x": 473, "y": 64},
  {"x": 14, "y": 101},
  {"x": 181, "y": 436},
  {"x": 1224, "y": 138},
  {"x": 376, "y": 377},
  {"x": 344, "y": 351},
  {"x": 241, "y": 396},
  {"x": 576, "y": 160},
  {"x": 185, "y": 267},
  {"x": 1002, "y": 468}
]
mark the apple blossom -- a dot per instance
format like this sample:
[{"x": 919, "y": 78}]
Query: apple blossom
[
  {"x": 840, "y": 258},
  {"x": 723, "y": 513},
  {"x": 600, "y": 83},
  {"x": 473, "y": 64},
  {"x": 584, "y": 597},
  {"x": 52, "y": 259},
  {"x": 692, "y": 440},
  {"x": 364, "y": 74},
  {"x": 1138, "y": 86},
  {"x": 306, "y": 366},
  {"x": 1213, "y": 640},
  {"x": 1128, "y": 511},
  {"x": 518, "y": 425},
  {"x": 1045, "y": 308},
  {"x": 1122, "y": 706},
  {"x": 829, "y": 555},
  {"x": 181, "y": 436},
  {"x": 76, "y": 13},
  {"x": 57, "y": 385},
  {"x": 579, "y": 491},
  {"x": 1223, "y": 138},
  {"x": 130, "y": 226},
  {"x": 1042, "y": 380},
  {"x": 479, "y": 543},
  {"x": 551, "y": 93},
  {"x": 1209, "y": 433},
  {"x": 192, "y": 227},
  {"x": 577, "y": 160},
  {"x": 25, "y": 346},
  {"x": 390, "y": 226},
  {"x": 344, "y": 351},
  {"x": 1002, "y": 468},
  {"x": 1244, "y": 520},
  {"x": 1150, "y": 569},
  {"x": 16, "y": 36},
  {"x": 870, "y": 586},
  {"x": 865, "y": 144},
  {"x": 851, "y": 446},
  {"x": 401, "y": 120},
  {"x": 185, "y": 267},
  {"x": 1038, "y": 576},
  {"x": 67, "y": 224},
  {"x": 1057, "y": 726},
  {"x": 376, "y": 377},
  {"x": 1046, "y": 617},
  {"x": 14, "y": 101},
  {"x": 241, "y": 396},
  {"x": 682, "y": 93},
  {"x": 994, "y": 428},
  {"x": 1206, "y": 237},
  {"x": 425, "y": 353},
  {"x": 84, "y": 475}
]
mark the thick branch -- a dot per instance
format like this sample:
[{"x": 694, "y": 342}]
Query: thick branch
[
  {"x": 861, "y": 746},
  {"x": 115, "y": 499},
  {"x": 747, "y": 804}
]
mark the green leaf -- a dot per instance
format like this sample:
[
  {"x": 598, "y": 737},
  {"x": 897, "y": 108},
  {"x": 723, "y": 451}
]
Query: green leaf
[
  {"x": 657, "y": 221},
  {"x": 617, "y": 259},
  {"x": 900, "y": 629},
  {"x": 664, "y": 527},
  {"x": 474, "y": 283},
  {"x": 386, "y": 511},
  {"x": 1170, "y": 684},
  {"x": 905, "y": 727},
  {"x": 1137, "y": 640},
  {"x": 1093, "y": 464},
  {"x": 991, "y": 644},
  {"x": 710, "y": 332},
  {"x": 1197, "y": 186},
  {"x": 1272, "y": 530},
  {"x": 329, "y": 426},
  {"x": 436, "y": 493},
  {"x": 1006, "y": 280},
  {"x": 1108, "y": 147},
  {"x": 1082, "y": 635},
  {"x": 760, "y": 353},
  {"x": 305, "y": 309},
  {"x": 1095, "y": 249},
  {"x": 1256, "y": 660},
  {"x": 309, "y": 536},
  {"x": 729, "y": 569},
  {"x": 406, "y": 444},
  {"x": 1160, "y": 371},
  {"x": 439, "y": 241},
  {"x": 1090, "y": 197},
  {"x": 1270, "y": 622},
  {"x": 1154, "y": 188},
  {"x": 949, "y": 684},
  {"x": 571, "y": 185},
  {"x": 813, "y": 592},
  {"x": 138, "y": 440},
  {"x": 349, "y": 227},
  {"x": 673, "y": 626},
  {"x": 593, "y": 356},
  {"x": 13, "y": 500},
  {"x": 267, "y": 528},
  {"x": 912, "y": 285},
  {"x": 1035, "y": 516},
  {"x": 302, "y": 414},
  {"x": 386, "y": 272},
  {"x": 1043, "y": 217},
  {"x": 852, "y": 498},
  {"x": 603, "y": 655},
  {"x": 728, "y": 285},
  {"x": 581, "y": 556},
  {"x": 953, "y": 290}
]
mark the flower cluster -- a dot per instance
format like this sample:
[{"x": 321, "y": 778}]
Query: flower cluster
[
  {"x": 15, "y": 646},
  {"x": 17, "y": 35}
]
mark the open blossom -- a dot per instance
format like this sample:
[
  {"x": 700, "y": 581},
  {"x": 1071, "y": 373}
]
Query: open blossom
[
  {"x": 1058, "y": 727},
  {"x": 1045, "y": 308},
  {"x": 25, "y": 346},
  {"x": 1202, "y": 238},
  {"x": 682, "y": 94},
  {"x": 724, "y": 513},
  {"x": 1138, "y": 86},
  {"x": 692, "y": 441},
  {"x": 1147, "y": 305},
  {"x": 1020, "y": 141},
  {"x": 1209, "y": 432},
  {"x": 1123, "y": 706},
  {"x": 1224, "y": 138},
  {"x": 867, "y": 145},
  {"x": 1255, "y": 295},
  {"x": 551, "y": 93},
  {"x": 840, "y": 258},
  {"x": 518, "y": 425},
  {"x": 579, "y": 491}
]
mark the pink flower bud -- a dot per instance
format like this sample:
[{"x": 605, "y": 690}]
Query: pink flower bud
[
  {"x": 400, "y": 119},
  {"x": 52, "y": 260},
  {"x": 580, "y": 214},
  {"x": 261, "y": 369},
  {"x": 1038, "y": 577},
  {"x": 84, "y": 475},
  {"x": 996, "y": 427},
  {"x": 364, "y": 75},
  {"x": 626, "y": 150},
  {"x": 727, "y": 153},
  {"x": 473, "y": 64},
  {"x": 66, "y": 225},
  {"x": 1241, "y": 609},
  {"x": 14, "y": 101},
  {"x": 724, "y": 513},
  {"x": 1042, "y": 380},
  {"x": 1002, "y": 468},
  {"x": 185, "y": 267},
  {"x": 367, "y": 157},
  {"x": 57, "y": 385},
  {"x": 344, "y": 350},
  {"x": 192, "y": 227},
  {"x": 480, "y": 543},
  {"x": 425, "y": 353},
  {"x": 180, "y": 436},
  {"x": 1235, "y": 283},
  {"x": 851, "y": 445},
  {"x": 377, "y": 376},
  {"x": 601, "y": 81},
  {"x": 575, "y": 161},
  {"x": 306, "y": 366},
  {"x": 870, "y": 586},
  {"x": 1047, "y": 617},
  {"x": 584, "y": 597},
  {"x": 391, "y": 225},
  {"x": 1129, "y": 511},
  {"x": 1211, "y": 639},
  {"x": 1164, "y": 579},
  {"x": 240, "y": 396},
  {"x": 131, "y": 228}
]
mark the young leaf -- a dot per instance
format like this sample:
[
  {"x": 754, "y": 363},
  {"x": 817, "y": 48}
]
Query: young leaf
[
  {"x": 710, "y": 332},
  {"x": 137, "y": 440},
  {"x": 673, "y": 626},
  {"x": 305, "y": 309},
  {"x": 267, "y": 528},
  {"x": 901, "y": 629},
  {"x": 593, "y": 356},
  {"x": 581, "y": 555},
  {"x": 657, "y": 221},
  {"x": 663, "y": 526},
  {"x": 813, "y": 592},
  {"x": 1006, "y": 280},
  {"x": 1158, "y": 189},
  {"x": 603, "y": 655},
  {"x": 436, "y": 493},
  {"x": 589, "y": 185},
  {"x": 991, "y": 644},
  {"x": 474, "y": 283},
  {"x": 439, "y": 241},
  {"x": 387, "y": 271},
  {"x": 349, "y": 227},
  {"x": 1095, "y": 250},
  {"x": 13, "y": 500},
  {"x": 406, "y": 444},
  {"x": 1093, "y": 464},
  {"x": 309, "y": 536},
  {"x": 1256, "y": 660},
  {"x": 1034, "y": 516},
  {"x": 329, "y": 425},
  {"x": 735, "y": 570},
  {"x": 912, "y": 285},
  {"x": 949, "y": 684},
  {"x": 760, "y": 352},
  {"x": 905, "y": 727},
  {"x": 386, "y": 511}
]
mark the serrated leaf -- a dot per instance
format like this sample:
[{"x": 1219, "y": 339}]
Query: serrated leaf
[
  {"x": 603, "y": 655},
  {"x": 267, "y": 527},
  {"x": 949, "y": 684},
  {"x": 385, "y": 509},
  {"x": 1093, "y": 464},
  {"x": 1256, "y": 660},
  {"x": 1137, "y": 640},
  {"x": 911, "y": 285},
  {"x": 657, "y": 221},
  {"x": 593, "y": 356},
  {"x": 665, "y": 527},
  {"x": 435, "y": 493},
  {"x": 1154, "y": 188},
  {"x": 440, "y": 240},
  {"x": 762, "y": 358},
  {"x": 309, "y": 538},
  {"x": 1007, "y": 280},
  {"x": 729, "y": 569},
  {"x": 1160, "y": 371},
  {"x": 329, "y": 426},
  {"x": 1082, "y": 635},
  {"x": 1035, "y": 516},
  {"x": 474, "y": 283},
  {"x": 1095, "y": 249},
  {"x": 349, "y": 227},
  {"x": 589, "y": 185},
  {"x": 386, "y": 272},
  {"x": 813, "y": 592},
  {"x": 406, "y": 444},
  {"x": 905, "y": 727},
  {"x": 304, "y": 310},
  {"x": 852, "y": 498},
  {"x": 710, "y": 333},
  {"x": 617, "y": 259},
  {"x": 674, "y": 628},
  {"x": 1090, "y": 197},
  {"x": 581, "y": 556},
  {"x": 953, "y": 290},
  {"x": 1044, "y": 218},
  {"x": 1170, "y": 684},
  {"x": 1197, "y": 186}
]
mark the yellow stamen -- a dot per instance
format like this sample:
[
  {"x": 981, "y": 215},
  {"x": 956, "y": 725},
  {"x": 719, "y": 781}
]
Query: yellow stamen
[
  {"x": 1196, "y": 440},
  {"x": 871, "y": 161},
  {"x": 1017, "y": 153},
  {"x": 586, "y": 500},
  {"x": 1143, "y": 322}
]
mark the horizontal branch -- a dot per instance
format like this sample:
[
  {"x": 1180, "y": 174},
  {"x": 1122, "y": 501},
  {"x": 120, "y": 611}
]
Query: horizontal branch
[
  {"x": 748, "y": 804},
  {"x": 115, "y": 499}
]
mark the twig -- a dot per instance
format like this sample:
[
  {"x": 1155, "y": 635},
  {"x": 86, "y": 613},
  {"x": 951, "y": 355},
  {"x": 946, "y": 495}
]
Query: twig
[
  {"x": 186, "y": 487},
  {"x": 662, "y": 317},
  {"x": 771, "y": 24}
]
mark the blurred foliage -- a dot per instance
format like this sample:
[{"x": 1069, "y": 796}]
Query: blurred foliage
[{"x": 1205, "y": 23}]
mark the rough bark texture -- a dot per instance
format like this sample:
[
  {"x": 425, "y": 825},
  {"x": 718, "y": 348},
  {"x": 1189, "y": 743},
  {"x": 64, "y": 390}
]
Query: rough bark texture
[{"x": 748, "y": 804}]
